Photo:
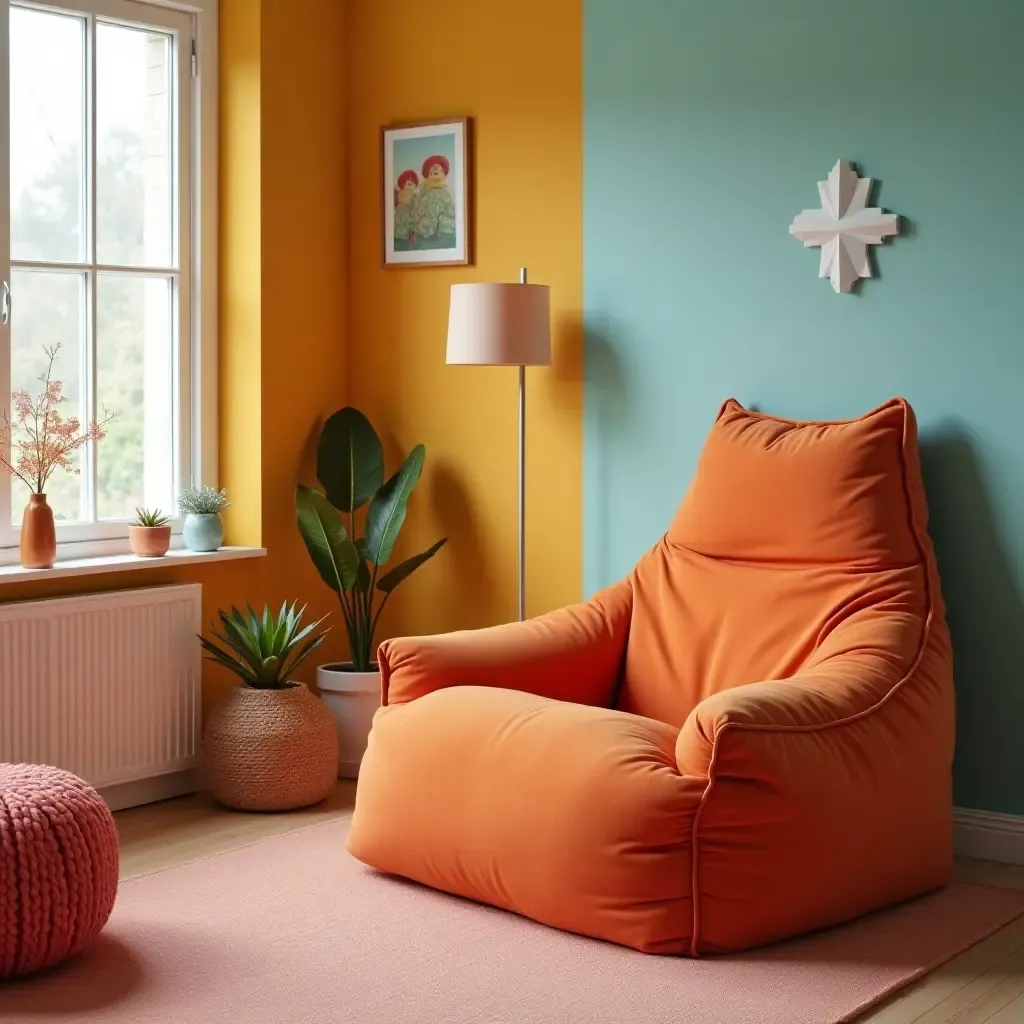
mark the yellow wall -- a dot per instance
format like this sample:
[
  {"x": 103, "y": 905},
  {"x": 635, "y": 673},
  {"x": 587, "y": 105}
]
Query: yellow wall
[
  {"x": 282, "y": 292},
  {"x": 515, "y": 69},
  {"x": 283, "y": 269},
  {"x": 304, "y": 250},
  {"x": 240, "y": 370}
]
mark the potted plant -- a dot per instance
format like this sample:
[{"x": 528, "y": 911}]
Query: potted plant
[
  {"x": 203, "y": 529},
  {"x": 350, "y": 467},
  {"x": 271, "y": 746},
  {"x": 38, "y": 441},
  {"x": 150, "y": 534}
]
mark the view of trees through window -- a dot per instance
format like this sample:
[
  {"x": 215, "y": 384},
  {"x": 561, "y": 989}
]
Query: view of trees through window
[{"x": 131, "y": 365}]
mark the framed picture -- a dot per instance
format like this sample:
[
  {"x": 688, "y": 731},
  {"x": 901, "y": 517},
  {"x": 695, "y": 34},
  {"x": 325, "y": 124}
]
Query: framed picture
[{"x": 426, "y": 193}]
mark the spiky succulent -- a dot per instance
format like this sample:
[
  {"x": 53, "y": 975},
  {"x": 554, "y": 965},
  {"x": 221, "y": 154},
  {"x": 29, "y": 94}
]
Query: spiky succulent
[
  {"x": 261, "y": 650},
  {"x": 203, "y": 501},
  {"x": 150, "y": 517}
]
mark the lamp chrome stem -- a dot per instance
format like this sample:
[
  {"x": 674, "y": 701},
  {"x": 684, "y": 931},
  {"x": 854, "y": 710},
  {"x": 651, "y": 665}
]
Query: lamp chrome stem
[{"x": 522, "y": 480}]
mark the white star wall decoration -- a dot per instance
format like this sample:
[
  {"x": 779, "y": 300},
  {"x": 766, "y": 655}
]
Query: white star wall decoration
[{"x": 844, "y": 227}]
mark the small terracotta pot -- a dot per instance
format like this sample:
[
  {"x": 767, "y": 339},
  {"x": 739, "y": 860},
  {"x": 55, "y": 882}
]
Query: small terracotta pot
[
  {"x": 38, "y": 536},
  {"x": 149, "y": 541}
]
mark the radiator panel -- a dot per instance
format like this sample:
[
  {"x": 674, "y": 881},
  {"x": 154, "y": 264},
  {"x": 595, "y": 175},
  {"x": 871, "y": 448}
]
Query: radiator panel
[{"x": 103, "y": 685}]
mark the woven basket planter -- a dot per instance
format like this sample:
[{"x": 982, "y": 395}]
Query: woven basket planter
[{"x": 270, "y": 750}]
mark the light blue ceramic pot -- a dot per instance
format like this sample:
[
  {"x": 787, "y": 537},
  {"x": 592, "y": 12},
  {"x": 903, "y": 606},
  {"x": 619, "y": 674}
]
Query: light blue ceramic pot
[{"x": 203, "y": 533}]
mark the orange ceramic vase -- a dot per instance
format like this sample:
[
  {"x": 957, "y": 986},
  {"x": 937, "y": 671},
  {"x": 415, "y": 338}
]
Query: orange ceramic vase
[{"x": 38, "y": 536}]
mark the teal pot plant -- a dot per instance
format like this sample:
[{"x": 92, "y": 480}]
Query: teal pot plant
[
  {"x": 271, "y": 746},
  {"x": 350, "y": 531},
  {"x": 203, "y": 529}
]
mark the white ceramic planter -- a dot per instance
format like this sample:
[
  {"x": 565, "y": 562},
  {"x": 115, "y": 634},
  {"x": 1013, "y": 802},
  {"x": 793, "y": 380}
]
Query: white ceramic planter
[{"x": 352, "y": 699}]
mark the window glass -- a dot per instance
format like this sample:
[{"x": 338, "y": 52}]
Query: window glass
[
  {"x": 134, "y": 147},
  {"x": 51, "y": 313},
  {"x": 47, "y": 136},
  {"x": 134, "y": 369},
  {"x": 100, "y": 119}
]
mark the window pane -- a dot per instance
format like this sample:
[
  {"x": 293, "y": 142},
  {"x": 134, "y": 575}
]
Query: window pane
[
  {"x": 47, "y": 133},
  {"x": 134, "y": 367},
  {"x": 135, "y": 150},
  {"x": 49, "y": 310}
]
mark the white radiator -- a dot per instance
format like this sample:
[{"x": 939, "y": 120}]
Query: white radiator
[{"x": 106, "y": 686}]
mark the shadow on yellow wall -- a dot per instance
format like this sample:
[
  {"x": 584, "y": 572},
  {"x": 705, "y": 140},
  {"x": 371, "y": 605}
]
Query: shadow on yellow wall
[{"x": 516, "y": 70}]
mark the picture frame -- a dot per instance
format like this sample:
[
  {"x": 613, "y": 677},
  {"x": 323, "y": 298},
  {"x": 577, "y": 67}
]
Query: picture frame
[{"x": 425, "y": 194}]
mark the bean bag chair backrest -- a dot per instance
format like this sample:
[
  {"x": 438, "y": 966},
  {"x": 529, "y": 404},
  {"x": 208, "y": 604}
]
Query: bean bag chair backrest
[{"x": 797, "y": 542}]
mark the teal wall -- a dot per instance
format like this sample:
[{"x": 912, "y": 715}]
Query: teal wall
[{"x": 707, "y": 124}]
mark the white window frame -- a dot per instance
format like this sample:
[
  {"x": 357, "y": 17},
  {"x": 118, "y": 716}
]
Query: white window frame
[{"x": 195, "y": 27}]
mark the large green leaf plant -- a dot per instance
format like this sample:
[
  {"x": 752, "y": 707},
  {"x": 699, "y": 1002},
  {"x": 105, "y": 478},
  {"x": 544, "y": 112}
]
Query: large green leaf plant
[{"x": 350, "y": 468}]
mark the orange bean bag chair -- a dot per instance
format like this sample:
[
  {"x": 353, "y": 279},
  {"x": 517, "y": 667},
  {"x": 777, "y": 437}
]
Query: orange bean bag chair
[{"x": 748, "y": 738}]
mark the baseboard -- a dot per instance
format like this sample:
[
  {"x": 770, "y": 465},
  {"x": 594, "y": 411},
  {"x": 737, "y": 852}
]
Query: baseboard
[
  {"x": 149, "y": 791},
  {"x": 988, "y": 835}
]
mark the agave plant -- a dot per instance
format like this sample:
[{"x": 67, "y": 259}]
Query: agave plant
[
  {"x": 150, "y": 517},
  {"x": 350, "y": 467},
  {"x": 261, "y": 650}
]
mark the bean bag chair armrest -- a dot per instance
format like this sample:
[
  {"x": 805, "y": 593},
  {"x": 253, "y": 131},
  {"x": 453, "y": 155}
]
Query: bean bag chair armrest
[
  {"x": 833, "y": 693},
  {"x": 823, "y": 699},
  {"x": 573, "y": 654},
  {"x": 830, "y": 771}
]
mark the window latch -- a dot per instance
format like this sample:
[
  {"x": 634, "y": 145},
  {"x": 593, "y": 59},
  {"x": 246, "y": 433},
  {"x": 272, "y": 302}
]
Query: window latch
[{"x": 5, "y": 308}]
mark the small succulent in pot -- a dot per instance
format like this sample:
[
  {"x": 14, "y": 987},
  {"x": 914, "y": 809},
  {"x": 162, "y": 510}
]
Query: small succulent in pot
[
  {"x": 150, "y": 518},
  {"x": 203, "y": 529},
  {"x": 150, "y": 534}
]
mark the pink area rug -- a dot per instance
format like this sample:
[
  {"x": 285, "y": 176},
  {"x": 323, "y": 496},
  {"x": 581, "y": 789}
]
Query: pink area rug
[{"x": 294, "y": 931}]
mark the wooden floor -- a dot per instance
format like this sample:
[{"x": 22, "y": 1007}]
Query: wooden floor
[{"x": 983, "y": 984}]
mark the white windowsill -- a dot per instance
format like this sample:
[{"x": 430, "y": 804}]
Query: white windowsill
[{"x": 124, "y": 563}]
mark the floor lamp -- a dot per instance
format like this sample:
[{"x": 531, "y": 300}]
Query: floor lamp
[{"x": 504, "y": 325}]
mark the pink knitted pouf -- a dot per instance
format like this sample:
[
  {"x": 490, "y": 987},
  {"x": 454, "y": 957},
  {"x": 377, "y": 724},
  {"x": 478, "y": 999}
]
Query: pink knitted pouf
[{"x": 58, "y": 866}]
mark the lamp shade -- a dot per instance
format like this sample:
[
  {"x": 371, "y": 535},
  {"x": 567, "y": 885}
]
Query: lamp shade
[{"x": 500, "y": 325}]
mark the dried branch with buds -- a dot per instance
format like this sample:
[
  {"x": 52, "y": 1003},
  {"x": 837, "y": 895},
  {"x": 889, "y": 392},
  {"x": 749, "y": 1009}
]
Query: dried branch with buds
[{"x": 40, "y": 440}]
